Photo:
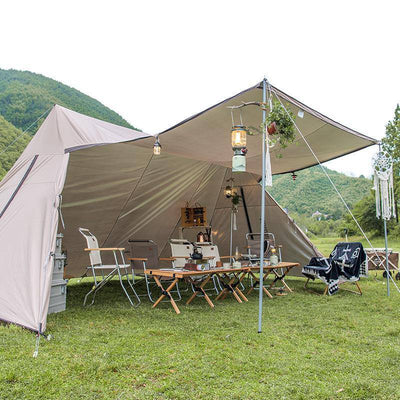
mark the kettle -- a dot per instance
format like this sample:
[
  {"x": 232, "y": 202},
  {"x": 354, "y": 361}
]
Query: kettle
[{"x": 196, "y": 254}]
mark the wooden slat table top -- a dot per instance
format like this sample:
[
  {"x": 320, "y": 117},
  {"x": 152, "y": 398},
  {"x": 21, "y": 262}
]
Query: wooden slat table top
[
  {"x": 283, "y": 264},
  {"x": 171, "y": 273},
  {"x": 181, "y": 274}
]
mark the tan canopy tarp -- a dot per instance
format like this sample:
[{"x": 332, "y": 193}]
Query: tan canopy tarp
[
  {"x": 206, "y": 135},
  {"x": 112, "y": 184}
]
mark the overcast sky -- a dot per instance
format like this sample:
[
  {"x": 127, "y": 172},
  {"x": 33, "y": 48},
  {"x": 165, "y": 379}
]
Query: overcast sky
[{"x": 158, "y": 62}]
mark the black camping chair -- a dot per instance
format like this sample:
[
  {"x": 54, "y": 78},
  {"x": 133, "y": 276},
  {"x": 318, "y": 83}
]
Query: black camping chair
[{"x": 344, "y": 264}]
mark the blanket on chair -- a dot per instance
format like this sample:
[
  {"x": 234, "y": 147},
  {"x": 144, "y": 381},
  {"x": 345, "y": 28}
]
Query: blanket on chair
[{"x": 343, "y": 265}]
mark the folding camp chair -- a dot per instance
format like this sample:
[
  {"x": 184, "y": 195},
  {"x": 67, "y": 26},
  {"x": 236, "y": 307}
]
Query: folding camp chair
[
  {"x": 346, "y": 263},
  {"x": 253, "y": 247},
  {"x": 181, "y": 251},
  {"x": 144, "y": 255},
  {"x": 253, "y": 250},
  {"x": 120, "y": 268},
  {"x": 211, "y": 251}
]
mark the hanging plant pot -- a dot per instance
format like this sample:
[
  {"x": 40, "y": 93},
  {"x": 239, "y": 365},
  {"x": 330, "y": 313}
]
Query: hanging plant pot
[{"x": 272, "y": 128}]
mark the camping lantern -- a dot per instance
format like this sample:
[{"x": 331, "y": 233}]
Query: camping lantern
[
  {"x": 239, "y": 140},
  {"x": 157, "y": 148},
  {"x": 228, "y": 192},
  {"x": 200, "y": 237},
  {"x": 238, "y": 135}
]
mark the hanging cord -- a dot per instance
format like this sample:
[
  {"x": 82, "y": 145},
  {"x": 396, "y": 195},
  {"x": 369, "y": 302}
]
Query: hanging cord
[
  {"x": 23, "y": 133},
  {"x": 334, "y": 186},
  {"x": 60, "y": 211}
]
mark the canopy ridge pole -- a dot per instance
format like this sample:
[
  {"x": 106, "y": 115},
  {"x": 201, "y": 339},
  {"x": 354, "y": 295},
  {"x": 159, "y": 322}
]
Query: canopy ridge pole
[
  {"x": 262, "y": 222},
  {"x": 23, "y": 133},
  {"x": 334, "y": 186}
]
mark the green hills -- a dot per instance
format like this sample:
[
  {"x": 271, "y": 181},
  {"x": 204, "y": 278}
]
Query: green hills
[
  {"x": 25, "y": 96},
  {"x": 312, "y": 192}
]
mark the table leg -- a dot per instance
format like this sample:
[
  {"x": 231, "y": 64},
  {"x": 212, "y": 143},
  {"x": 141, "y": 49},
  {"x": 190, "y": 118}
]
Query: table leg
[
  {"x": 267, "y": 292},
  {"x": 228, "y": 287},
  {"x": 282, "y": 279},
  {"x": 201, "y": 289},
  {"x": 241, "y": 277},
  {"x": 166, "y": 293},
  {"x": 257, "y": 282}
]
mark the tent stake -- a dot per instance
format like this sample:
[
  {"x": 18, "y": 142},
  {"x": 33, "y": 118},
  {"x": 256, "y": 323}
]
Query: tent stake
[{"x": 260, "y": 299}]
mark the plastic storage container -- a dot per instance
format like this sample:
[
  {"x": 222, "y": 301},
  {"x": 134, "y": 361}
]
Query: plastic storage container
[{"x": 58, "y": 293}]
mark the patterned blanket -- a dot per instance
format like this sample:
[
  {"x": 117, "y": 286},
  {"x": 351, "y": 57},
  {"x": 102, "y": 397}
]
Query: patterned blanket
[{"x": 346, "y": 263}]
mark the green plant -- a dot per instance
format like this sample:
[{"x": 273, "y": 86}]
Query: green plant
[
  {"x": 284, "y": 124},
  {"x": 235, "y": 199}
]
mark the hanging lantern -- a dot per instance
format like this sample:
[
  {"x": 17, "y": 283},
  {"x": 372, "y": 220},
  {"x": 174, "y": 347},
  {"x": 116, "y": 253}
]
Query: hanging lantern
[
  {"x": 228, "y": 192},
  {"x": 239, "y": 140},
  {"x": 238, "y": 135},
  {"x": 157, "y": 148},
  {"x": 294, "y": 176}
]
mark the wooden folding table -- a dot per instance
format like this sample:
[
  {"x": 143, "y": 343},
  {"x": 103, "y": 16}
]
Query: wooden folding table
[
  {"x": 230, "y": 283},
  {"x": 285, "y": 267}
]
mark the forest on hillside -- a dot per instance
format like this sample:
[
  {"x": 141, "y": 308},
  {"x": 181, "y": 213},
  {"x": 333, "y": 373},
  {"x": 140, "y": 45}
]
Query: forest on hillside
[{"x": 25, "y": 97}]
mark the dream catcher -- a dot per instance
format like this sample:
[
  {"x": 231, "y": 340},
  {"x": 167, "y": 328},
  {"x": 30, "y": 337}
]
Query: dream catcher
[{"x": 383, "y": 186}]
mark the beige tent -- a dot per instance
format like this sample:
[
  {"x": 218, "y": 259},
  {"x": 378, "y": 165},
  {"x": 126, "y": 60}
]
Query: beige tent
[{"x": 111, "y": 183}]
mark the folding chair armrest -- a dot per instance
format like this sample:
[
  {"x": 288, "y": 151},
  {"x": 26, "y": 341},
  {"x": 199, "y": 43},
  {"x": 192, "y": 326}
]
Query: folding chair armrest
[
  {"x": 167, "y": 258},
  {"x": 137, "y": 259},
  {"x": 226, "y": 257},
  {"x": 107, "y": 249}
]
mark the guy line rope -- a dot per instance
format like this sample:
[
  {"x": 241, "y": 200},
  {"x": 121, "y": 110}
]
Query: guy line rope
[{"x": 332, "y": 183}]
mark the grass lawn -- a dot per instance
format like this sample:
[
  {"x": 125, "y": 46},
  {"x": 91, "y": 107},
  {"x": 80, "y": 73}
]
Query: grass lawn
[
  {"x": 326, "y": 245},
  {"x": 312, "y": 347}
]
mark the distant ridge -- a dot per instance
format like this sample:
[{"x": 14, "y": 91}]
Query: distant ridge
[
  {"x": 311, "y": 192},
  {"x": 25, "y": 96}
]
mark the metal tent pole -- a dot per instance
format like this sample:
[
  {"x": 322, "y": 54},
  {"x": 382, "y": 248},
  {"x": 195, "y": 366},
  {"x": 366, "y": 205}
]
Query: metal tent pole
[
  {"x": 387, "y": 258},
  {"x": 260, "y": 299},
  {"x": 231, "y": 239}
]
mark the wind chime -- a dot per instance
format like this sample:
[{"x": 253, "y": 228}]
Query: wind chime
[
  {"x": 384, "y": 196},
  {"x": 383, "y": 186}
]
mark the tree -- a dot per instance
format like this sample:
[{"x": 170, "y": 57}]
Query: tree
[
  {"x": 364, "y": 210},
  {"x": 365, "y": 213},
  {"x": 391, "y": 144}
]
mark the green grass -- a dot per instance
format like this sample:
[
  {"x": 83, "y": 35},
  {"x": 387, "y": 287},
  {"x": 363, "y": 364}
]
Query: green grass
[
  {"x": 311, "y": 347},
  {"x": 326, "y": 245}
]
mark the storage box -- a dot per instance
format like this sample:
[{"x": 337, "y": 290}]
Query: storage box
[
  {"x": 58, "y": 296},
  {"x": 58, "y": 292}
]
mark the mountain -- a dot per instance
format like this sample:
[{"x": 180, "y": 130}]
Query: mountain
[
  {"x": 25, "y": 96},
  {"x": 8, "y": 133},
  {"x": 312, "y": 192}
]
